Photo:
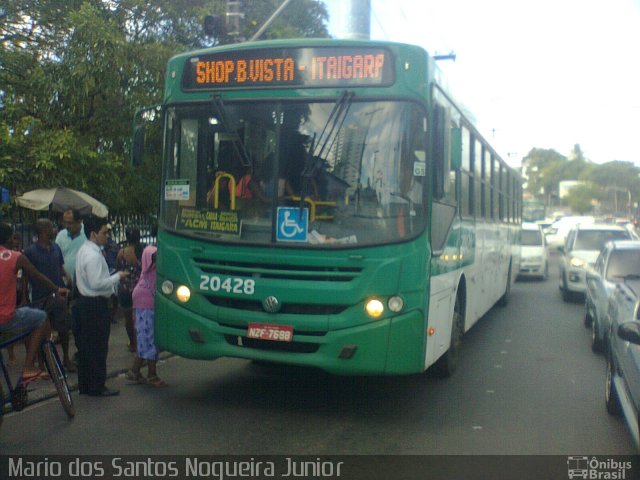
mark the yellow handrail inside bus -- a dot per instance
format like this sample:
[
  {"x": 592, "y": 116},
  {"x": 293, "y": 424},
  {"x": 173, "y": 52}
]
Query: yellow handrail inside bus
[
  {"x": 313, "y": 206},
  {"x": 216, "y": 189}
]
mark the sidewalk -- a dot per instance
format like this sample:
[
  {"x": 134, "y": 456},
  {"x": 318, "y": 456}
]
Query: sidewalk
[{"x": 119, "y": 360}]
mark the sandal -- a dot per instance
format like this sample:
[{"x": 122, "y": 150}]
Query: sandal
[
  {"x": 156, "y": 382},
  {"x": 134, "y": 377},
  {"x": 27, "y": 378}
]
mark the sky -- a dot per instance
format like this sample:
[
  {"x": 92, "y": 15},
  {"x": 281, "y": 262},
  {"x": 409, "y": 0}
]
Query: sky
[{"x": 536, "y": 74}]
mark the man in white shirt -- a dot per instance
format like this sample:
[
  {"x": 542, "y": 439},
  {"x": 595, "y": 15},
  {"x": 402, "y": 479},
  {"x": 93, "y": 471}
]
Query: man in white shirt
[{"x": 95, "y": 287}]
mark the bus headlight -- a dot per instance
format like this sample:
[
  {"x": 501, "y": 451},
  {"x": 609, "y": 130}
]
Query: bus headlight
[
  {"x": 183, "y": 293},
  {"x": 374, "y": 308},
  {"x": 167, "y": 287},
  {"x": 395, "y": 304}
]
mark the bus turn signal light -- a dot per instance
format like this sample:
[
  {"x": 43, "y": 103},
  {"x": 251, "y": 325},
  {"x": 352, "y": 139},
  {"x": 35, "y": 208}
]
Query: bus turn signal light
[
  {"x": 395, "y": 304},
  {"x": 167, "y": 287}
]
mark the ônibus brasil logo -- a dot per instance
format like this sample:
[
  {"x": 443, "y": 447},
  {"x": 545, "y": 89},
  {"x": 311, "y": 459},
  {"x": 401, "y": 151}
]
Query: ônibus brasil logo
[{"x": 595, "y": 468}]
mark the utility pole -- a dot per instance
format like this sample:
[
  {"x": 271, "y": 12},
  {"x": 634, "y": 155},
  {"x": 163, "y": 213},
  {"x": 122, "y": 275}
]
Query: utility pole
[
  {"x": 234, "y": 15},
  {"x": 358, "y": 15}
]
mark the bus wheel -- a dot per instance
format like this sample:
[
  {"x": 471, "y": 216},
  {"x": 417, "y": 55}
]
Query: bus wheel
[{"x": 447, "y": 363}]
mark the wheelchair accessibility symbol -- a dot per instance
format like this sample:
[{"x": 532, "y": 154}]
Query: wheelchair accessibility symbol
[{"x": 293, "y": 224}]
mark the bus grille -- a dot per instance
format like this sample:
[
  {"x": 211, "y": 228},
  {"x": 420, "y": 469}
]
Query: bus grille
[
  {"x": 290, "y": 308},
  {"x": 294, "y": 347},
  {"x": 279, "y": 272}
]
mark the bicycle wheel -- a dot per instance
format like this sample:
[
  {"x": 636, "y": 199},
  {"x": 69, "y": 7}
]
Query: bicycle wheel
[
  {"x": 58, "y": 377},
  {"x": 1, "y": 399}
]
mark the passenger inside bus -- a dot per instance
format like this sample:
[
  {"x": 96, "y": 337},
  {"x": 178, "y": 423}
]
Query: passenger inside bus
[
  {"x": 284, "y": 188},
  {"x": 250, "y": 198}
]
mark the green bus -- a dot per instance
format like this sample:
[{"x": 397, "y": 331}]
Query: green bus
[
  {"x": 327, "y": 203},
  {"x": 533, "y": 211}
]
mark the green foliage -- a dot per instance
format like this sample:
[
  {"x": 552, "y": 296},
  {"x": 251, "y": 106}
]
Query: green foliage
[
  {"x": 616, "y": 174},
  {"x": 301, "y": 18},
  {"x": 538, "y": 165},
  {"x": 73, "y": 72},
  {"x": 580, "y": 198},
  {"x": 612, "y": 183}
]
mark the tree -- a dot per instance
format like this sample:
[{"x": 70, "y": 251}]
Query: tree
[
  {"x": 73, "y": 73},
  {"x": 580, "y": 198},
  {"x": 619, "y": 182},
  {"x": 576, "y": 154},
  {"x": 300, "y": 19},
  {"x": 534, "y": 165}
]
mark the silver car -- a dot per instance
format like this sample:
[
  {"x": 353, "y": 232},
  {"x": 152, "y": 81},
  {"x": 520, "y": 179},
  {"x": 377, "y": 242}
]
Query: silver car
[
  {"x": 580, "y": 251},
  {"x": 622, "y": 387},
  {"x": 617, "y": 261}
]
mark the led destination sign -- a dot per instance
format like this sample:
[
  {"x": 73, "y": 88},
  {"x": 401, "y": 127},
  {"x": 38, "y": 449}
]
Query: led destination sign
[{"x": 296, "y": 67}]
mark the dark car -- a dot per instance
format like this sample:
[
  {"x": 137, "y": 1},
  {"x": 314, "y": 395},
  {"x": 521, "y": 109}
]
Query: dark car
[
  {"x": 616, "y": 261},
  {"x": 623, "y": 360}
]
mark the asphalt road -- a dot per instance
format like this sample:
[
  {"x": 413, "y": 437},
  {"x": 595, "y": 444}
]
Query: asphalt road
[{"x": 527, "y": 384}]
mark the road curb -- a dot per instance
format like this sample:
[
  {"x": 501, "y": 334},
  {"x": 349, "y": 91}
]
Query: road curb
[{"x": 38, "y": 396}]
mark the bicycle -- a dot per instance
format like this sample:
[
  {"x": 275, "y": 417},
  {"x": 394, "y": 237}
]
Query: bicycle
[{"x": 18, "y": 396}]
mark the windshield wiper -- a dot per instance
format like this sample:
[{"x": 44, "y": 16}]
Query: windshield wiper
[
  {"x": 236, "y": 141},
  {"x": 334, "y": 124},
  {"x": 629, "y": 276}
]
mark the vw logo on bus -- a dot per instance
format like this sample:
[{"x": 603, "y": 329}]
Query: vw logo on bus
[{"x": 271, "y": 304}]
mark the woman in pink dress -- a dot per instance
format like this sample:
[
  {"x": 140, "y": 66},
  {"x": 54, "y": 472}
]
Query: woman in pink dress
[{"x": 143, "y": 303}]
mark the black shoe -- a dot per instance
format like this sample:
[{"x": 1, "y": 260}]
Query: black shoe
[
  {"x": 106, "y": 392},
  {"x": 70, "y": 367}
]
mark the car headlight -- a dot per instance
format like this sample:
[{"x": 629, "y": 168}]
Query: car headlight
[{"x": 577, "y": 262}]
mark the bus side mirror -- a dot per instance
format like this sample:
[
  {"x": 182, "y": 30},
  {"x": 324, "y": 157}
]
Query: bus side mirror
[
  {"x": 144, "y": 116},
  {"x": 137, "y": 147}
]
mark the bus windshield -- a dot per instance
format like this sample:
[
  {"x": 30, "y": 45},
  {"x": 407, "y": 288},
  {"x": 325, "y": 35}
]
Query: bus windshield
[{"x": 311, "y": 174}]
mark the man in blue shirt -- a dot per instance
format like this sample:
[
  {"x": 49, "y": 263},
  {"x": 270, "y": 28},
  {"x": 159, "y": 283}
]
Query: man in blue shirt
[
  {"x": 47, "y": 257},
  {"x": 70, "y": 239}
]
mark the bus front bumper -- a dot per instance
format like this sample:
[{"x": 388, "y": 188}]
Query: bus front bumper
[{"x": 389, "y": 346}]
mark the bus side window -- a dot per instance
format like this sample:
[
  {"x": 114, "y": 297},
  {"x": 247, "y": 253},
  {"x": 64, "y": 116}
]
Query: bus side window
[{"x": 442, "y": 150}]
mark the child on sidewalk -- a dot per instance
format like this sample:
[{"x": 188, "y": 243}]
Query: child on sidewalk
[{"x": 143, "y": 298}]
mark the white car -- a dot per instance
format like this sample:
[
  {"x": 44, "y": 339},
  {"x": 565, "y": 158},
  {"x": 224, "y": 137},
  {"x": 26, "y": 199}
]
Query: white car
[
  {"x": 580, "y": 252},
  {"x": 556, "y": 234},
  {"x": 534, "y": 255}
]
